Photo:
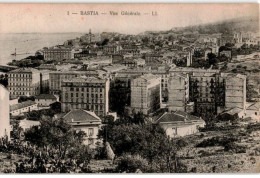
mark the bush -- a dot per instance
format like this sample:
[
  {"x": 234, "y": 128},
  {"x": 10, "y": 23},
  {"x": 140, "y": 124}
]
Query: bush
[
  {"x": 130, "y": 163},
  {"x": 235, "y": 148},
  {"x": 216, "y": 141}
]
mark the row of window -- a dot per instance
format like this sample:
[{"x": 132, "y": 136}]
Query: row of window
[
  {"x": 20, "y": 75},
  {"x": 96, "y": 108},
  {"x": 82, "y": 95}
]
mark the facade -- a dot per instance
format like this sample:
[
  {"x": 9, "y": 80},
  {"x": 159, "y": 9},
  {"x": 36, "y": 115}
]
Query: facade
[
  {"x": 253, "y": 111},
  {"x": 24, "y": 82},
  {"x": 146, "y": 94},
  {"x": 4, "y": 113},
  {"x": 151, "y": 59},
  {"x": 57, "y": 54},
  {"x": 178, "y": 92},
  {"x": 235, "y": 90},
  {"x": 20, "y": 108},
  {"x": 82, "y": 120},
  {"x": 57, "y": 77},
  {"x": 89, "y": 93},
  {"x": 179, "y": 124},
  {"x": 45, "y": 100},
  {"x": 111, "y": 49}
]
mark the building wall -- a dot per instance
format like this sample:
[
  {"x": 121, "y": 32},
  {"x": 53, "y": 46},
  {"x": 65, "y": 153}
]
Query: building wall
[
  {"x": 235, "y": 95},
  {"x": 45, "y": 102},
  {"x": 178, "y": 92},
  {"x": 56, "y": 79},
  {"x": 57, "y": 54},
  {"x": 23, "y": 84},
  {"x": 146, "y": 95},
  {"x": 4, "y": 113},
  {"x": 87, "y": 129},
  {"x": 24, "y": 110},
  {"x": 84, "y": 95},
  {"x": 180, "y": 130}
]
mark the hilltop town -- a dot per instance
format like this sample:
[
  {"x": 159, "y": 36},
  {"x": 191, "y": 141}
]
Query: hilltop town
[{"x": 182, "y": 100}]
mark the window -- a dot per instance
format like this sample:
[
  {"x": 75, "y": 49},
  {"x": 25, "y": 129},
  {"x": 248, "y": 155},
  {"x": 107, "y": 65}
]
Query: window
[{"x": 90, "y": 131}]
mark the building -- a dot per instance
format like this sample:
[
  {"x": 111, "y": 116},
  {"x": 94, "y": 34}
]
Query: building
[
  {"x": 47, "y": 67},
  {"x": 178, "y": 92},
  {"x": 151, "y": 59},
  {"x": 111, "y": 49},
  {"x": 146, "y": 94},
  {"x": 24, "y": 82},
  {"x": 45, "y": 100},
  {"x": 4, "y": 113},
  {"x": 57, "y": 54},
  {"x": 87, "y": 121},
  {"x": 179, "y": 124},
  {"x": 253, "y": 111},
  {"x": 20, "y": 108},
  {"x": 57, "y": 77},
  {"x": 88, "y": 93},
  {"x": 227, "y": 53},
  {"x": 235, "y": 90}
]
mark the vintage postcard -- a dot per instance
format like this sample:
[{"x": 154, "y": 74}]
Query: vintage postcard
[{"x": 129, "y": 88}]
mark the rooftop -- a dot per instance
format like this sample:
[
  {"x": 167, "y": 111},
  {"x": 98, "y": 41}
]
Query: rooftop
[
  {"x": 177, "y": 116},
  {"x": 45, "y": 96},
  {"x": 25, "y": 70},
  {"x": 81, "y": 116},
  {"x": 85, "y": 79},
  {"x": 22, "y": 105}
]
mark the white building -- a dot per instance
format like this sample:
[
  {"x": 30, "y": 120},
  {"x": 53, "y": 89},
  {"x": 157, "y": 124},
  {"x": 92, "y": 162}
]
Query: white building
[
  {"x": 20, "y": 108},
  {"x": 45, "y": 100},
  {"x": 4, "y": 113},
  {"x": 86, "y": 121},
  {"x": 179, "y": 124}
]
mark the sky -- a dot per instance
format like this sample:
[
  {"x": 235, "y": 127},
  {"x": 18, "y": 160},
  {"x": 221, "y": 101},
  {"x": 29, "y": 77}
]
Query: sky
[{"x": 53, "y": 18}]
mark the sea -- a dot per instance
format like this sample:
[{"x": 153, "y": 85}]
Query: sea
[{"x": 27, "y": 44}]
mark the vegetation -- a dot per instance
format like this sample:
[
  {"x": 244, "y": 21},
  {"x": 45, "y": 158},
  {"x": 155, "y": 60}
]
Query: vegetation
[
  {"x": 4, "y": 80},
  {"x": 148, "y": 141}
]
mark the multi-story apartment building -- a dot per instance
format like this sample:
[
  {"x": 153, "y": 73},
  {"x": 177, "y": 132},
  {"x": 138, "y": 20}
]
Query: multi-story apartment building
[
  {"x": 204, "y": 92},
  {"x": 57, "y": 77},
  {"x": 162, "y": 72},
  {"x": 146, "y": 94},
  {"x": 57, "y": 54},
  {"x": 89, "y": 93},
  {"x": 4, "y": 113},
  {"x": 178, "y": 92},
  {"x": 24, "y": 82},
  {"x": 235, "y": 90},
  {"x": 213, "y": 92}
]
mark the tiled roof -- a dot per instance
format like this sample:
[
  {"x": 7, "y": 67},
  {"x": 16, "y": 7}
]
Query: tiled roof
[
  {"x": 177, "y": 116},
  {"x": 232, "y": 111},
  {"x": 254, "y": 106},
  {"x": 86, "y": 80},
  {"x": 25, "y": 70},
  {"x": 45, "y": 96},
  {"x": 81, "y": 116},
  {"x": 22, "y": 105}
]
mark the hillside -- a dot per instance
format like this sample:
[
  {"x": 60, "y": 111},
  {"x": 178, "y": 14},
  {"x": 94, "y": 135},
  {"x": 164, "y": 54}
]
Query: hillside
[{"x": 226, "y": 27}]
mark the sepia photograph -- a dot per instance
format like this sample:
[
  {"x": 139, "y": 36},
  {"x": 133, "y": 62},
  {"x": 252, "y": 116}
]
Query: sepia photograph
[{"x": 129, "y": 88}]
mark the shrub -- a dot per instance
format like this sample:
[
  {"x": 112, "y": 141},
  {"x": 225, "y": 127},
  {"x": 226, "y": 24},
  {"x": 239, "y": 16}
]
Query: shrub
[{"x": 130, "y": 163}]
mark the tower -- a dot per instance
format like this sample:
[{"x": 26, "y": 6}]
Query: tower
[{"x": 90, "y": 34}]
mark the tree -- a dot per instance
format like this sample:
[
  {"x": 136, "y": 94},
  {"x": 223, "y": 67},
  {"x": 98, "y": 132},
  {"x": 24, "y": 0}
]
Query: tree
[
  {"x": 212, "y": 58},
  {"x": 57, "y": 134},
  {"x": 17, "y": 130},
  {"x": 147, "y": 140}
]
